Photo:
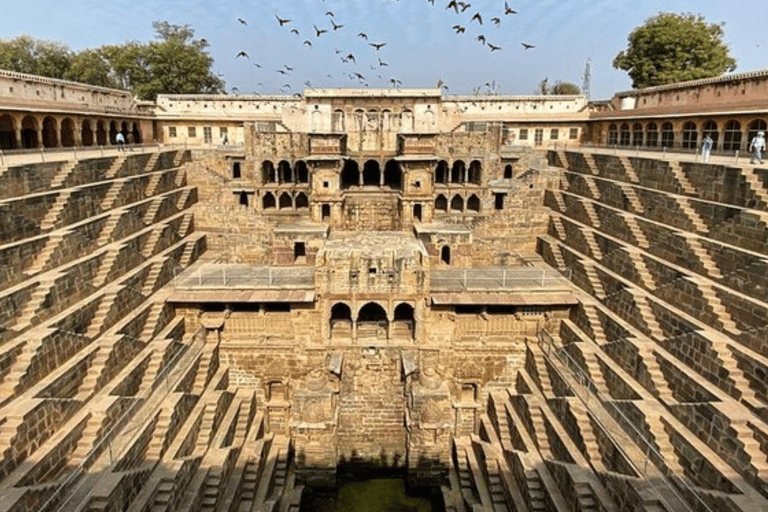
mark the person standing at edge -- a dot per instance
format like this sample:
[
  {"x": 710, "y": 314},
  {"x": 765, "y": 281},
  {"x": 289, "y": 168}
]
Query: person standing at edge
[
  {"x": 756, "y": 147},
  {"x": 706, "y": 147},
  {"x": 120, "y": 139}
]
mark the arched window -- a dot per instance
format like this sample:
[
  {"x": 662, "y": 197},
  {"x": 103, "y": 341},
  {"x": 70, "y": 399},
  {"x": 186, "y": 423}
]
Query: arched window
[
  {"x": 101, "y": 134},
  {"x": 86, "y": 133},
  {"x": 136, "y": 134},
  {"x": 710, "y": 128},
  {"x": 732, "y": 136},
  {"x": 613, "y": 135},
  {"x": 637, "y": 134},
  {"x": 457, "y": 203},
  {"x": 508, "y": 172},
  {"x": 473, "y": 203},
  {"x": 417, "y": 212},
  {"x": 393, "y": 176},
  {"x": 386, "y": 120},
  {"x": 50, "y": 140},
  {"x": 268, "y": 201},
  {"x": 285, "y": 172},
  {"x": 350, "y": 174},
  {"x": 285, "y": 201},
  {"x": 337, "y": 121},
  {"x": 341, "y": 321},
  {"x": 651, "y": 135},
  {"x": 29, "y": 132},
  {"x": 301, "y": 172},
  {"x": 445, "y": 255},
  {"x": 359, "y": 115},
  {"x": 754, "y": 127},
  {"x": 372, "y": 322},
  {"x": 667, "y": 135},
  {"x": 317, "y": 121},
  {"x": 7, "y": 132},
  {"x": 475, "y": 172},
  {"x": 441, "y": 172},
  {"x": 112, "y": 132},
  {"x": 371, "y": 173},
  {"x": 243, "y": 199},
  {"x": 441, "y": 203},
  {"x": 301, "y": 200},
  {"x": 406, "y": 121},
  {"x": 67, "y": 132},
  {"x": 458, "y": 172},
  {"x": 404, "y": 324},
  {"x": 268, "y": 174},
  {"x": 624, "y": 135},
  {"x": 690, "y": 135}
]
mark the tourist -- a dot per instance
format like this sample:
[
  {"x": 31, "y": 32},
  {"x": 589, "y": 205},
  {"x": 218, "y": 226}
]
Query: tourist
[
  {"x": 706, "y": 147},
  {"x": 756, "y": 147},
  {"x": 120, "y": 139}
]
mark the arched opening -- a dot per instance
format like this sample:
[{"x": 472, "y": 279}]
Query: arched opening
[
  {"x": 285, "y": 201},
  {"x": 112, "y": 132},
  {"x": 301, "y": 200},
  {"x": 441, "y": 172},
  {"x": 637, "y": 134},
  {"x": 371, "y": 173},
  {"x": 7, "y": 132},
  {"x": 337, "y": 121},
  {"x": 67, "y": 132},
  {"x": 301, "y": 172},
  {"x": 284, "y": 172},
  {"x": 372, "y": 322},
  {"x": 457, "y": 203},
  {"x": 243, "y": 200},
  {"x": 473, "y": 203},
  {"x": 406, "y": 121},
  {"x": 710, "y": 128},
  {"x": 341, "y": 321},
  {"x": 667, "y": 135},
  {"x": 445, "y": 255},
  {"x": 690, "y": 135},
  {"x": 404, "y": 324},
  {"x": 613, "y": 135},
  {"x": 268, "y": 174},
  {"x": 393, "y": 176},
  {"x": 458, "y": 172},
  {"x": 441, "y": 203},
  {"x": 417, "y": 212},
  {"x": 475, "y": 172},
  {"x": 350, "y": 174},
  {"x": 50, "y": 139},
  {"x": 268, "y": 201},
  {"x": 624, "y": 134},
  {"x": 508, "y": 172},
  {"x": 29, "y": 132},
  {"x": 732, "y": 136},
  {"x": 359, "y": 121},
  {"x": 652, "y": 135},
  {"x": 101, "y": 134},
  {"x": 317, "y": 121},
  {"x": 755, "y": 126},
  {"x": 372, "y": 120},
  {"x": 86, "y": 134},
  {"x": 136, "y": 134},
  {"x": 123, "y": 128},
  {"x": 325, "y": 212},
  {"x": 386, "y": 120}
]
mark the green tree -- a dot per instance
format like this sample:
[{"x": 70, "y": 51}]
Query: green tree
[
  {"x": 25, "y": 54},
  {"x": 90, "y": 66},
  {"x": 671, "y": 48},
  {"x": 560, "y": 88}
]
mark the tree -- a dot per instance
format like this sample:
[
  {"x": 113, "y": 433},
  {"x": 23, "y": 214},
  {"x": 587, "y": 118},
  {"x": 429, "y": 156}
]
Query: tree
[
  {"x": 671, "y": 48},
  {"x": 90, "y": 66},
  {"x": 560, "y": 88},
  {"x": 25, "y": 54}
]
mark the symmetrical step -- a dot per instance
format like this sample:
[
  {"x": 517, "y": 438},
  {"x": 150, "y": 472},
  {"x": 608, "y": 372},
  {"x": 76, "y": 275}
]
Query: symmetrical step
[
  {"x": 646, "y": 278},
  {"x": 589, "y": 207},
  {"x": 149, "y": 217},
  {"x": 591, "y": 448},
  {"x": 696, "y": 220},
  {"x": 110, "y": 200},
  {"x": 723, "y": 316},
  {"x": 721, "y": 345},
  {"x": 590, "y": 310},
  {"x": 117, "y": 164},
  {"x": 43, "y": 257},
  {"x": 646, "y": 313},
  {"x": 106, "y": 265},
  {"x": 539, "y": 433},
  {"x": 590, "y": 235},
  {"x": 592, "y": 186},
  {"x": 61, "y": 177},
  {"x": 685, "y": 184},
  {"x": 629, "y": 169},
  {"x": 755, "y": 184},
  {"x": 631, "y": 195},
  {"x": 637, "y": 233},
  {"x": 52, "y": 216},
  {"x": 559, "y": 228},
  {"x": 36, "y": 299},
  {"x": 591, "y": 164},
  {"x": 106, "y": 303},
  {"x": 664, "y": 445},
  {"x": 702, "y": 254},
  {"x": 561, "y": 206},
  {"x": 594, "y": 279},
  {"x": 645, "y": 351}
]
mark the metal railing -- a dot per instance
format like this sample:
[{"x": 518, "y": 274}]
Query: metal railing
[
  {"x": 497, "y": 279},
  {"x": 626, "y": 425},
  {"x": 239, "y": 276}
]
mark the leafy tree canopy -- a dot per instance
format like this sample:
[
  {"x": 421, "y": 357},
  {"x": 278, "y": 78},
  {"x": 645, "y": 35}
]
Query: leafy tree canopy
[
  {"x": 559, "y": 88},
  {"x": 174, "y": 63},
  {"x": 671, "y": 48}
]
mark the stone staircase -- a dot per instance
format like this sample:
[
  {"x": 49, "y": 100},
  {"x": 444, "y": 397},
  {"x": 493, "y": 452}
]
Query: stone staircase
[
  {"x": 646, "y": 313},
  {"x": 117, "y": 165},
  {"x": 206, "y": 430},
  {"x": 43, "y": 257},
  {"x": 755, "y": 184},
  {"x": 721, "y": 345},
  {"x": 590, "y": 310},
  {"x": 589, "y": 208},
  {"x": 560, "y": 201},
  {"x": 559, "y": 228},
  {"x": 645, "y": 351},
  {"x": 149, "y": 217},
  {"x": 90, "y": 382},
  {"x": 154, "y": 237},
  {"x": 590, "y": 236},
  {"x": 61, "y": 177},
  {"x": 154, "y": 183},
  {"x": 663, "y": 444},
  {"x": 594, "y": 191},
  {"x": 535, "y": 490},
  {"x": 150, "y": 282},
  {"x": 181, "y": 202},
  {"x": 542, "y": 370},
  {"x": 496, "y": 486},
  {"x": 710, "y": 295},
  {"x": 646, "y": 278},
  {"x": 591, "y": 448},
  {"x": 186, "y": 224},
  {"x": 152, "y": 162},
  {"x": 702, "y": 254},
  {"x": 696, "y": 220},
  {"x": 634, "y": 200},
  {"x": 109, "y": 228},
  {"x": 107, "y": 263},
  {"x": 52, "y": 216},
  {"x": 594, "y": 279},
  {"x": 585, "y": 497},
  {"x": 37, "y": 297},
  {"x": 685, "y": 184},
  {"x": 113, "y": 194},
  {"x": 746, "y": 436},
  {"x": 97, "y": 322},
  {"x": 629, "y": 169},
  {"x": 591, "y": 164},
  {"x": 89, "y": 439},
  {"x": 593, "y": 369},
  {"x": 636, "y": 231},
  {"x": 152, "y": 320},
  {"x": 156, "y": 446},
  {"x": 154, "y": 367},
  {"x": 539, "y": 433},
  {"x": 189, "y": 250}
]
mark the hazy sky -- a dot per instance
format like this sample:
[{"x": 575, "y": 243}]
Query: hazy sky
[{"x": 421, "y": 46}]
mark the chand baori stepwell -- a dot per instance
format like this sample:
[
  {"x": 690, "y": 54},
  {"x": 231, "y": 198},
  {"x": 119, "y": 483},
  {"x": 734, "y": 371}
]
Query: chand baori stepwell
[{"x": 520, "y": 303}]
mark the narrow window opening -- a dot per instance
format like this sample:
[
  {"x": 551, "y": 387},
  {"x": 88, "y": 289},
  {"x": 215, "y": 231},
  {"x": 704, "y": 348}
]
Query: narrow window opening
[
  {"x": 498, "y": 200},
  {"x": 236, "y": 170}
]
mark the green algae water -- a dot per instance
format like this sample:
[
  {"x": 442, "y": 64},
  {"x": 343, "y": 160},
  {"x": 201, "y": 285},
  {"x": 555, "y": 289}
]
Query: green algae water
[{"x": 376, "y": 495}]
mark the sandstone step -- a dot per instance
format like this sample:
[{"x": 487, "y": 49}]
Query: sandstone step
[
  {"x": 61, "y": 177},
  {"x": 697, "y": 221},
  {"x": 589, "y": 208},
  {"x": 632, "y": 198},
  {"x": 629, "y": 169},
  {"x": 54, "y": 213},
  {"x": 709, "y": 264},
  {"x": 637, "y": 232},
  {"x": 685, "y": 184},
  {"x": 756, "y": 184}
]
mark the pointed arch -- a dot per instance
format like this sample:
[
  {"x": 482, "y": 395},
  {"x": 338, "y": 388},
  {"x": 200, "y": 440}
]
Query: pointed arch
[
  {"x": 301, "y": 200},
  {"x": 7, "y": 132},
  {"x": 457, "y": 203},
  {"x": 441, "y": 203},
  {"x": 86, "y": 133},
  {"x": 473, "y": 203},
  {"x": 268, "y": 201},
  {"x": 285, "y": 201}
]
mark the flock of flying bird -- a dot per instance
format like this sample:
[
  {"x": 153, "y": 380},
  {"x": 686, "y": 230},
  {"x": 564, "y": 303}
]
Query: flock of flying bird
[{"x": 347, "y": 57}]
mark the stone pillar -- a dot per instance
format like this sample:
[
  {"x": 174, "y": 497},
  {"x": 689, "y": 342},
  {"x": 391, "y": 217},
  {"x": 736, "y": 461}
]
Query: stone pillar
[
  {"x": 18, "y": 138},
  {"x": 57, "y": 131},
  {"x": 381, "y": 179},
  {"x": 40, "y": 136},
  {"x": 360, "y": 178}
]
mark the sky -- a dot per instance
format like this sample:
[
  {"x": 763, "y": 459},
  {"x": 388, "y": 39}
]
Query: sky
[{"x": 421, "y": 46}]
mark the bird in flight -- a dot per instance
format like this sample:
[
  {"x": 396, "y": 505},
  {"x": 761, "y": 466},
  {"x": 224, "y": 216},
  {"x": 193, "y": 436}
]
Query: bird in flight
[
  {"x": 477, "y": 17},
  {"x": 464, "y": 6},
  {"x": 507, "y": 9},
  {"x": 329, "y": 13},
  {"x": 352, "y": 58},
  {"x": 282, "y": 71},
  {"x": 288, "y": 68},
  {"x": 335, "y": 26},
  {"x": 319, "y": 31},
  {"x": 243, "y": 54},
  {"x": 308, "y": 42},
  {"x": 527, "y": 46},
  {"x": 281, "y": 21},
  {"x": 395, "y": 82},
  {"x": 493, "y": 48},
  {"x": 241, "y": 20},
  {"x": 363, "y": 35},
  {"x": 382, "y": 63},
  {"x": 496, "y": 20},
  {"x": 257, "y": 65},
  {"x": 481, "y": 38},
  {"x": 377, "y": 45},
  {"x": 459, "y": 29},
  {"x": 293, "y": 30},
  {"x": 453, "y": 4}
]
